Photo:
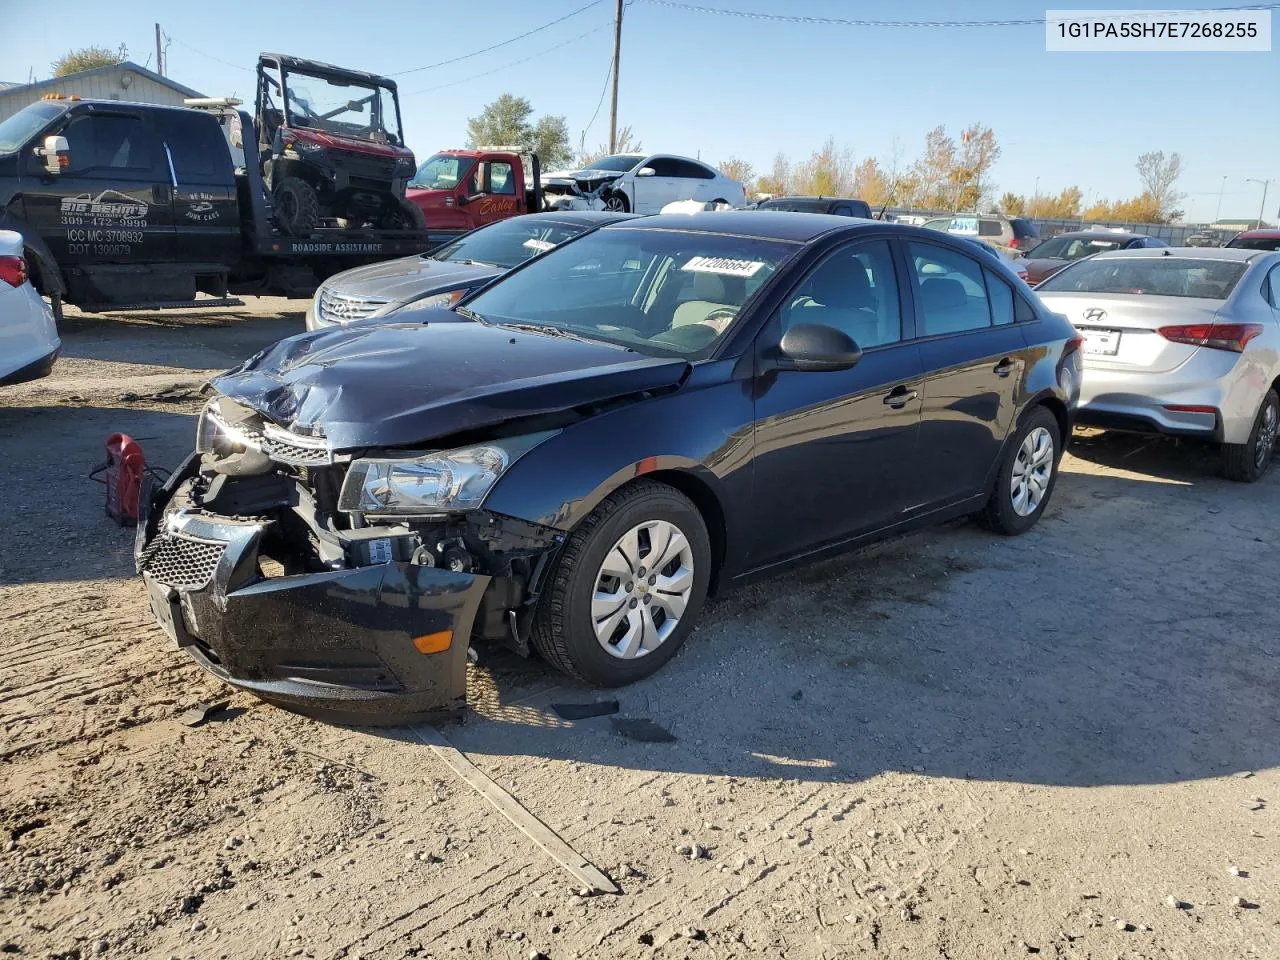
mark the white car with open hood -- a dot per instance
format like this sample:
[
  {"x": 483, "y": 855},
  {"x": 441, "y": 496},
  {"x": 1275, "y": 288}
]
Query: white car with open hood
[{"x": 645, "y": 183}]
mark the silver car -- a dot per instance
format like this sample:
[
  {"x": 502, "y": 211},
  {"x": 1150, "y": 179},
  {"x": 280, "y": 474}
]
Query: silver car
[{"x": 1182, "y": 341}]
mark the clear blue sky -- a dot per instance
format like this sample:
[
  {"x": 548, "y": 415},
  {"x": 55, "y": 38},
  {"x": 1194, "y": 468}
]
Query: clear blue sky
[{"x": 696, "y": 83}]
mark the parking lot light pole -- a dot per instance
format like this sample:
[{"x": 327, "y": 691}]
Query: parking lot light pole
[
  {"x": 1218, "y": 216},
  {"x": 1263, "y": 206}
]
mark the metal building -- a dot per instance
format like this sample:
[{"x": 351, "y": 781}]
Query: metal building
[{"x": 120, "y": 81}]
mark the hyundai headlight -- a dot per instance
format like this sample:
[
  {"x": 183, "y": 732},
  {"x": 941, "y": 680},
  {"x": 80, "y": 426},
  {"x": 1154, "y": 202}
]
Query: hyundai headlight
[
  {"x": 444, "y": 482},
  {"x": 446, "y": 299},
  {"x": 216, "y": 435}
]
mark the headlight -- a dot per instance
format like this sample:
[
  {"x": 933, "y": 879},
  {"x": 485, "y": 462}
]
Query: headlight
[
  {"x": 215, "y": 435},
  {"x": 444, "y": 482},
  {"x": 446, "y": 299}
]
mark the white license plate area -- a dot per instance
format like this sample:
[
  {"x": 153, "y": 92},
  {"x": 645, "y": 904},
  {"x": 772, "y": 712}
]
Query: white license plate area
[{"x": 1104, "y": 343}]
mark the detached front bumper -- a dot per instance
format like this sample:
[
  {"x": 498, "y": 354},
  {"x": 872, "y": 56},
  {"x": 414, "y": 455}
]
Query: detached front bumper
[{"x": 342, "y": 645}]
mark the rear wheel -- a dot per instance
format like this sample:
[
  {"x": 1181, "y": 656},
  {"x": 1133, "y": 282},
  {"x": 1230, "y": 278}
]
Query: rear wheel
[
  {"x": 297, "y": 208},
  {"x": 1248, "y": 461},
  {"x": 1027, "y": 476},
  {"x": 627, "y": 587}
]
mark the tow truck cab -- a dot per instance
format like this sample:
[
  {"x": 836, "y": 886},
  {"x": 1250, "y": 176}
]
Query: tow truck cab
[{"x": 459, "y": 190}]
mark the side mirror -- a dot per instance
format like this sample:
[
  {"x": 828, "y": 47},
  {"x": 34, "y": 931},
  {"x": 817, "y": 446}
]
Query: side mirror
[
  {"x": 815, "y": 346},
  {"x": 56, "y": 153},
  {"x": 646, "y": 172}
]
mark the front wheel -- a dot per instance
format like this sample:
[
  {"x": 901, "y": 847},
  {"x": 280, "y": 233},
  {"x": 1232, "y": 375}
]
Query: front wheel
[
  {"x": 296, "y": 206},
  {"x": 1027, "y": 476},
  {"x": 627, "y": 587},
  {"x": 617, "y": 202},
  {"x": 1248, "y": 461}
]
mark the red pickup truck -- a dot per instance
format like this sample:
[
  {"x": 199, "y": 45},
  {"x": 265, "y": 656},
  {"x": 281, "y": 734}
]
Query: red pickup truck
[{"x": 459, "y": 190}]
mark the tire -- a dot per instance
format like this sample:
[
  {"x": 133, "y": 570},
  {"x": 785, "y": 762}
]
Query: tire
[
  {"x": 1003, "y": 513},
  {"x": 618, "y": 203},
  {"x": 719, "y": 200},
  {"x": 297, "y": 208},
  {"x": 404, "y": 216},
  {"x": 565, "y": 629},
  {"x": 1248, "y": 462}
]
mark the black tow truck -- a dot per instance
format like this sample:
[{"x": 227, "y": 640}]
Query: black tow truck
[{"x": 138, "y": 206}]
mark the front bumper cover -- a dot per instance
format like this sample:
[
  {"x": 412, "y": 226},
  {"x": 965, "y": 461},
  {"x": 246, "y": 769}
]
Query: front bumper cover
[{"x": 337, "y": 645}]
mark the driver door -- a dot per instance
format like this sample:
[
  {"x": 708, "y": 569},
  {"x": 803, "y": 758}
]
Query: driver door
[{"x": 833, "y": 449}]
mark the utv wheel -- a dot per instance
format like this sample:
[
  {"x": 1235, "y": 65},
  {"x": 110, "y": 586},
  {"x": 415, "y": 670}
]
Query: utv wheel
[
  {"x": 1247, "y": 462},
  {"x": 1027, "y": 475},
  {"x": 297, "y": 208},
  {"x": 404, "y": 216},
  {"x": 617, "y": 202},
  {"x": 627, "y": 587}
]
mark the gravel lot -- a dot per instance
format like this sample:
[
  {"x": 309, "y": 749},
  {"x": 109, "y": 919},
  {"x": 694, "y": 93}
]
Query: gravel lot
[{"x": 951, "y": 745}]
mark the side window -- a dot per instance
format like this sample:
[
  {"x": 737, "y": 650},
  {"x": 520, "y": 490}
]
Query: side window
[
  {"x": 501, "y": 179},
  {"x": 1271, "y": 287},
  {"x": 665, "y": 167},
  {"x": 988, "y": 228},
  {"x": 1001, "y": 296},
  {"x": 855, "y": 289},
  {"x": 197, "y": 146},
  {"x": 952, "y": 294},
  {"x": 843, "y": 211},
  {"x": 692, "y": 171},
  {"x": 111, "y": 146},
  {"x": 1022, "y": 310}
]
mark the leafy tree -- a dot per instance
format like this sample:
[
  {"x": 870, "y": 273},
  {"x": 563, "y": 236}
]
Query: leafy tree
[
  {"x": 827, "y": 173},
  {"x": 1158, "y": 175},
  {"x": 86, "y": 58},
  {"x": 932, "y": 172},
  {"x": 977, "y": 154},
  {"x": 507, "y": 121},
  {"x": 872, "y": 184},
  {"x": 627, "y": 143},
  {"x": 738, "y": 169},
  {"x": 778, "y": 180},
  {"x": 1012, "y": 205}
]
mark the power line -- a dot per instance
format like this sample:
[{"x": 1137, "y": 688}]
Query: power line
[
  {"x": 513, "y": 63},
  {"x": 599, "y": 103},
  {"x": 844, "y": 22},
  {"x": 510, "y": 40},
  {"x": 227, "y": 63}
]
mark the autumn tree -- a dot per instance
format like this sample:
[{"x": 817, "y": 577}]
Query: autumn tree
[
  {"x": 86, "y": 58},
  {"x": 778, "y": 180},
  {"x": 626, "y": 143},
  {"x": 1158, "y": 176},
  {"x": 508, "y": 121},
  {"x": 872, "y": 184},
  {"x": 1012, "y": 205},
  {"x": 932, "y": 171},
  {"x": 738, "y": 169},
  {"x": 827, "y": 173}
]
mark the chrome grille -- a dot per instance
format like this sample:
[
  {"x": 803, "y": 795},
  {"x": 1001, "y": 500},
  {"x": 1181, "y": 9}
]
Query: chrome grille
[
  {"x": 180, "y": 561},
  {"x": 342, "y": 308}
]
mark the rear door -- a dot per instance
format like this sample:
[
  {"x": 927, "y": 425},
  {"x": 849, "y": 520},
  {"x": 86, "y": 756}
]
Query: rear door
[
  {"x": 113, "y": 203},
  {"x": 205, "y": 211},
  {"x": 974, "y": 357}
]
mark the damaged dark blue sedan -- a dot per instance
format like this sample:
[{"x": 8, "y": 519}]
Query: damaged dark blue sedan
[{"x": 570, "y": 461}]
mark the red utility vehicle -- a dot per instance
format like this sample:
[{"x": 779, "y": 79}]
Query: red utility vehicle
[{"x": 459, "y": 190}]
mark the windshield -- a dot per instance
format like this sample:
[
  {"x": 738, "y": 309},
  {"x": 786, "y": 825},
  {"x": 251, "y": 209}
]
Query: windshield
[
  {"x": 1154, "y": 276},
  {"x": 442, "y": 172},
  {"x": 620, "y": 163},
  {"x": 1255, "y": 243},
  {"x": 347, "y": 108},
  {"x": 23, "y": 125},
  {"x": 1072, "y": 248},
  {"x": 660, "y": 292},
  {"x": 509, "y": 243}
]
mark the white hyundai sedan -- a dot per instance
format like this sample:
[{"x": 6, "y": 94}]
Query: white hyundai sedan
[
  {"x": 645, "y": 183},
  {"x": 28, "y": 335},
  {"x": 1182, "y": 341}
]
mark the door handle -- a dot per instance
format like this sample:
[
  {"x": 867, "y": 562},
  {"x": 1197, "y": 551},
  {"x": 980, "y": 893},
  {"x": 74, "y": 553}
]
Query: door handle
[
  {"x": 899, "y": 397},
  {"x": 1005, "y": 367}
]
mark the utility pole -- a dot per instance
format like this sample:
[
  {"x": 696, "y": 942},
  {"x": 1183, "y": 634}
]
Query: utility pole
[
  {"x": 617, "y": 55},
  {"x": 159, "y": 53},
  {"x": 1218, "y": 216},
  {"x": 1263, "y": 206}
]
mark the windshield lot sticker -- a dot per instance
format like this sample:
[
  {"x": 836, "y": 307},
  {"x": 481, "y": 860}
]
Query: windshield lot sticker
[
  {"x": 724, "y": 266},
  {"x": 540, "y": 245}
]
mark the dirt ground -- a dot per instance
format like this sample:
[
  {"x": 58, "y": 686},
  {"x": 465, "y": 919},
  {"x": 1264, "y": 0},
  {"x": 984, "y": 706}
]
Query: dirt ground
[{"x": 952, "y": 745}]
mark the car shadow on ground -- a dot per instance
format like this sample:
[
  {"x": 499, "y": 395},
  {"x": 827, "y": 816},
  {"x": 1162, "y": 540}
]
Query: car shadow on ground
[{"x": 1101, "y": 648}]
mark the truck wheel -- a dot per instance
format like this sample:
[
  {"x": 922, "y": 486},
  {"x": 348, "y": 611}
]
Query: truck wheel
[
  {"x": 404, "y": 216},
  {"x": 297, "y": 207}
]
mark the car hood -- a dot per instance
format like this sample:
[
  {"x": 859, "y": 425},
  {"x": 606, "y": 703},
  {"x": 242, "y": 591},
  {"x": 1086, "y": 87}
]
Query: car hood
[
  {"x": 410, "y": 278},
  {"x": 587, "y": 174},
  {"x": 407, "y": 383}
]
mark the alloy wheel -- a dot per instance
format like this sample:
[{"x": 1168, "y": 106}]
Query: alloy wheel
[
  {"x": 1032, "y": 471},
  {"x": 1266, "y": 444},
  {"x": 642, "y": 589}
]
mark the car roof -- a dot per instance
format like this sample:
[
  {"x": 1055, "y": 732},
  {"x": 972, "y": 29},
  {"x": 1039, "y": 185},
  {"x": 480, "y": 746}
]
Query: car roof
[
  {"x": 766, "y": 224},
  {"x": 1258, "y": 235},
  {"x": 789, "y": 198},
  {"x": 1189, "y": 253},
  {"x": 1099, "y": 234},
  {"x": 586, "y": 217}
]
